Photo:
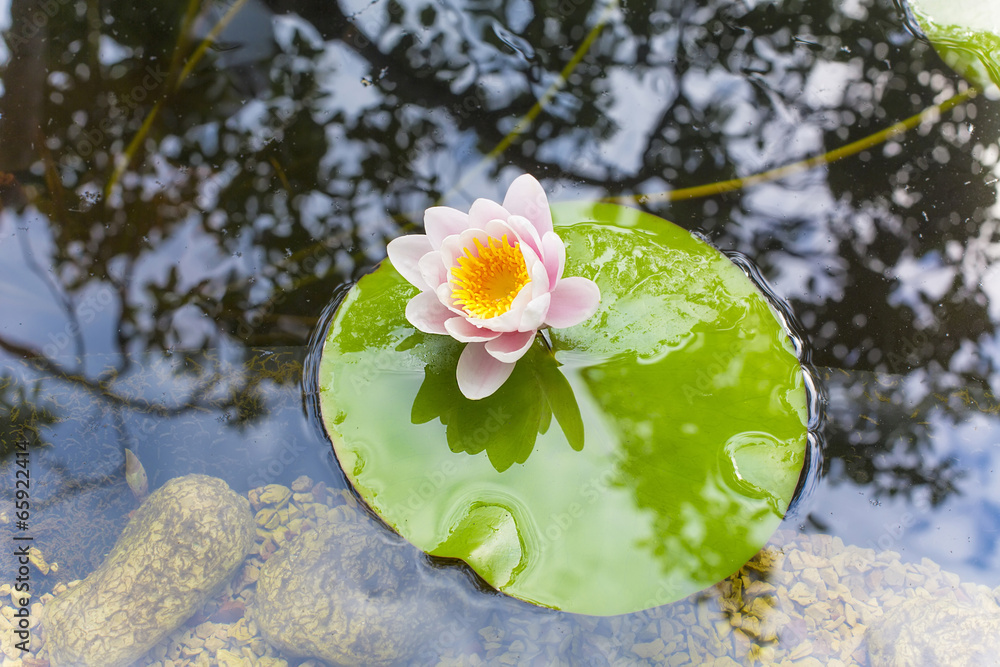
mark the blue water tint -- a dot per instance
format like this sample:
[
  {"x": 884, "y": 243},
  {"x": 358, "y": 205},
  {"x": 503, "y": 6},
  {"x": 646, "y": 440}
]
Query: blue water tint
[{"x": 930, "y": 495}]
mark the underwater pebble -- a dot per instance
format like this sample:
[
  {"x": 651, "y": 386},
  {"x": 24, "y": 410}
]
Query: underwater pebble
[
  {"x": 228, "y": 659},
  {"x": 276, "y": 495},
  {"x": 185, "y": 541},
  {"x": 339, "y": 593},
  {"x": 301, "y": 484},
  {"x": 931, "y": 631},
  {"x": 649, "y": 649}
]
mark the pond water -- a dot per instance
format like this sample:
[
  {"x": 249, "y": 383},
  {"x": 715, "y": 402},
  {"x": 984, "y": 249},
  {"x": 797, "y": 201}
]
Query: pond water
[{"x": 176, "y": 222}]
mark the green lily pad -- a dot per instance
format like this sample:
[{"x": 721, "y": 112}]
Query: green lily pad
[
  {"x": 966, "y": 33},
  {"x": 648, "y": 455}
]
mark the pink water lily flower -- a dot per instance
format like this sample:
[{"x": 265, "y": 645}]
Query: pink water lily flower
[{"x": 491, "y": 278}]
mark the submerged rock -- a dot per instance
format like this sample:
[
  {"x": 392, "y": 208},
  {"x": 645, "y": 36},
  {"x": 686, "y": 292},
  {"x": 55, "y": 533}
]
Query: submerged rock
[
  {"x": 182, "y": 544},
  {"x": 343, "y": 593},
  {"x": 934, "y": 631}
]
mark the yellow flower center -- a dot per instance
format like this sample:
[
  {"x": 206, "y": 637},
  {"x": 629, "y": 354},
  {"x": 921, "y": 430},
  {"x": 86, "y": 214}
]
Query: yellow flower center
[{"x": 485, "y": 283}]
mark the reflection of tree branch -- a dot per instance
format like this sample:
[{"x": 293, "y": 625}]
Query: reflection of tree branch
[
  {"x": 124, "y": 160},
  {"x": 558, "y": 85},
  {"x": 64, "y": 301},
  {"x": 53, "y": 180},
  {"x": 886, "y": 440},
  {"x": 120, "y": 338},
  {"x": 23, "y": 103},
  {"x": 422, "y": 86},
  {"x": 22, "y": 428},
  {"x": 98, "y": 388},
  {"x": 894, "y": 131},
  {"x": 418, "y": 86}
]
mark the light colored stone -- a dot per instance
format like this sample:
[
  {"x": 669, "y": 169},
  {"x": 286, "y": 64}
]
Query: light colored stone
[
  {"x": 182, "y": 544},
  {"x": 933, "y": 631},
  {"x": 648, "y": 649},
  {"x": 229, "y": 659},
  {"x": 276, "y": 495},
  {"x": 315, "y": 596}
]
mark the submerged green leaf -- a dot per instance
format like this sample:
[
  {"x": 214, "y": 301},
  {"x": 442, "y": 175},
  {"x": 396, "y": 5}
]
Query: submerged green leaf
[
  {"x": 681, "y": 413},
  {"x": 486, "y": 538}
]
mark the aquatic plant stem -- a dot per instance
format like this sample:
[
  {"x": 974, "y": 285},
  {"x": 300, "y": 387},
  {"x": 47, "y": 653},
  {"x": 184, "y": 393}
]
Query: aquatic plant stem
[
  {"x": 208, "y": 41},
  {"x": 525, "y": 122},
  {"x": 184, "y": 37},
  {"x": 931, "y": 113},
  {"x": 125, "y": 159}
]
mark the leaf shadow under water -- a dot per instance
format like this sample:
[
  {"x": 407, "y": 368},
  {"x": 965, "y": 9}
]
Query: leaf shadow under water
[{"x": 507, "y": 423}]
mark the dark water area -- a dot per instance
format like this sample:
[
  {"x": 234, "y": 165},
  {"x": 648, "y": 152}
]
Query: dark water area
[{"x": 176, "y": 223}]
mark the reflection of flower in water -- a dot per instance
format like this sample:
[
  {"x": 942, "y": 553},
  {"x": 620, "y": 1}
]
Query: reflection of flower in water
[
  {"x": 505, "y": 424},
  {"x": 491, "y": 278}
]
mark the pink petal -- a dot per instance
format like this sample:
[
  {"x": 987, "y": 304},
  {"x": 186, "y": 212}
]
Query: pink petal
[
  {"x": 445, "y": 296},
  {"x": 426, "y": 312},
  {"x": 537, "y": 272},
  {"x": 573, "y": 300},
  {"x": 484, "y": 210},
  {"x": 526, "y": 232},
  {"x": 405, "y": 253},
  {"x": 510, "y": 346},
  {"x": 498, "y": 228},
  {"x": 443, "y": 221},
  {"x": 526, "y": 197},
  {"x": 464, "y": 331},
  {"x": 554, "y": 256},
  {"x": 535, "y": 313},
  {"x": 479, "y": 374},
  {"x": 432, "y": 269}
]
